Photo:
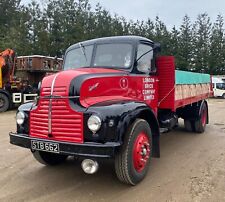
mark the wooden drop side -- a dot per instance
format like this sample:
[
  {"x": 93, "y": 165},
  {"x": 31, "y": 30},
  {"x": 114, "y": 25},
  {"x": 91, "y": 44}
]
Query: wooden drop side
[{"x": 172, "y": 96}]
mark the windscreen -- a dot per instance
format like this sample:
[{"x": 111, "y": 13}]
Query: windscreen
[
  {"x": 78, "y": 57},
  {"x": 220, "y": 86},
  {"x": 116, "y": 55},
  {"x": 113, "y": 55}
]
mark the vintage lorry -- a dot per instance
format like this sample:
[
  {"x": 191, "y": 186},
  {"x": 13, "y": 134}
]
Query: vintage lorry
[{"x": 112, "y": 101}]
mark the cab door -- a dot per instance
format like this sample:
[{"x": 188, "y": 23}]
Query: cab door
[{"x": 147, "y": 81}]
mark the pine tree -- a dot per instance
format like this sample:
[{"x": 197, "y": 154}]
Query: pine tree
[
  {"x": 174, "y": 48},
  {"x": 217, "y": 47},
  {"x": 38, "y": 33},
  {"x": 201, "y": 43},
  {"x": 49, "y": 30},
  {"x": 162, "y": 35},
  {"x": 149, "y": 29},
  {"x": 12, "y": 19},
  {"x": 185, "y": 44},
  {"x": 56, "y": 24}
]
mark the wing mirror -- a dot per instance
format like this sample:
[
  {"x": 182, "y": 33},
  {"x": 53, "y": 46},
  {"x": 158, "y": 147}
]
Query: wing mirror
[{"x": 157, "y": 46}]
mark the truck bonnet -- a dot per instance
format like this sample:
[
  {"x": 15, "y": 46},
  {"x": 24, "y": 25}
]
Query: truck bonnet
[{"x": 88, "y": 83}]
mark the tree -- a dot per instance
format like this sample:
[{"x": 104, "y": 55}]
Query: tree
[
  {"x": 12, "y": 21},
  {"x": 56, "y": 25},
  {"x": 30, "y": 29},
  {"x": 217, "y": 47},
  {"x": 185, "y": 53},
  {"x": 201, "y": 43},
  {"x": 174, "y": 48},
  {"x": 162, "y": 35}
]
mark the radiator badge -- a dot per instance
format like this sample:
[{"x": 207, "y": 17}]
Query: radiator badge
[
  {"x": 124, "y": 83},
  {"x": 91, "y": 88}
]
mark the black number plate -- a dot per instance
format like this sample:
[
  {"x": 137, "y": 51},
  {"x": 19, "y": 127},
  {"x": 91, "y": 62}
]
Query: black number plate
[{"x": 45, "y": 146}]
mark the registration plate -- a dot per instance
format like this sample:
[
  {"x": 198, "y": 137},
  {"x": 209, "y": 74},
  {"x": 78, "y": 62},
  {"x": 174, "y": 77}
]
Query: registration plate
[{"x": 45, "y": 146}]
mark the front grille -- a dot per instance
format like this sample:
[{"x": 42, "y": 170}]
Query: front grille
[
  {"x": 58, "y": 90},
  {"x": 66, "y": 124}
]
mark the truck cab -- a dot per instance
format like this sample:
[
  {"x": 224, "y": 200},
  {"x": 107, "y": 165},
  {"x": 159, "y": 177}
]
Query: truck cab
[{"x": 110, "y": 102}]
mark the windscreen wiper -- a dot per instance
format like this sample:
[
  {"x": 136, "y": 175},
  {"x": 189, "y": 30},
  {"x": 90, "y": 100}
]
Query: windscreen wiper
[
  {"x": 83, "y": 51},
  {"x": 156, "y": 46},
  {"x": 144, "y": 54}
]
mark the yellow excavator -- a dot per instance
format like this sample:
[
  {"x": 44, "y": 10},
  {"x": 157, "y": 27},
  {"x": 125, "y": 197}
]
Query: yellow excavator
[{"x": 7, "y": 66}]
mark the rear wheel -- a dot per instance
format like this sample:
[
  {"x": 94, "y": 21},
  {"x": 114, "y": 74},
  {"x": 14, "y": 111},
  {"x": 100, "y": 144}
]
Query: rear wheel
[
  {"x": 132, "y": 161},
  {"x": 200, "y": 124},
  {"x": 4, "y": 102},
  {"x": 189, "y": 125},
  {"x": 48, "y": 158},
  {"x": 223, "y": 96}
]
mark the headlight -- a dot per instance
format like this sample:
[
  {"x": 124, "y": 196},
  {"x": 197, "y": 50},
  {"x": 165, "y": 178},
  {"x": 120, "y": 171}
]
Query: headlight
[
  {"x": 94, "y": 123},
  {"x": 20, "y": 117}
]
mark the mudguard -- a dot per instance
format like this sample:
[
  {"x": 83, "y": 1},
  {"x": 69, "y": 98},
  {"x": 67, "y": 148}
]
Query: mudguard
[
  {"x": 116, "y": 117},
  {"x": 26, "y": 106},
  {"x": 193, "y": 111},
  {"x": 5, "y": 92},
  {"x": 8, "y": 95}
]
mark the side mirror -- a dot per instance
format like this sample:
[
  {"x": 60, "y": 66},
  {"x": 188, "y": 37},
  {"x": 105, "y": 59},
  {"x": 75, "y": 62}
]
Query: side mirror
[{"x": 157, "y": 46}]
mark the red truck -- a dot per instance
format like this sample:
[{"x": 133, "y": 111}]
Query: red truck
[{"x": 112, "y": 101}]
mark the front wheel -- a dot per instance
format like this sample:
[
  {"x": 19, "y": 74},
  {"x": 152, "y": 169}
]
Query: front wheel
[
  {"x": 48, "y": 158},
  {"x": 132, "y": 161},
  {"x": 4, "y": 102}
]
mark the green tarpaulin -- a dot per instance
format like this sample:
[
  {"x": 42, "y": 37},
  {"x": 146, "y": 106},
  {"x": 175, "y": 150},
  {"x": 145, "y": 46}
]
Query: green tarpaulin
[{"x": 184, "y": 77}]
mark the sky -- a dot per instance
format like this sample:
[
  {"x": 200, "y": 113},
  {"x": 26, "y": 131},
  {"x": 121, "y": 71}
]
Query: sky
[{"x": 170, "y": 12}]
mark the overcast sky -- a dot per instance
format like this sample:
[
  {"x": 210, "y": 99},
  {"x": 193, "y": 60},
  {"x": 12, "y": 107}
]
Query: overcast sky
[{"x": 170, "y": 12}]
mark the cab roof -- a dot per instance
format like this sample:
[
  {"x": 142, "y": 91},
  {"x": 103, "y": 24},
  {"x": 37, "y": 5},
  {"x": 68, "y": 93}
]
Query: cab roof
[{"x": 129, "y": 38}]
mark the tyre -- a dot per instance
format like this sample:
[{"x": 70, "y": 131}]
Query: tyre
[
  {"x": 48, "y": 158},
  {"x": 189, "y": 125},
  {"x": 133, "y": 159},
  {"x": 4, "y": 102},
  {"x": 223, "y": 96},
  {"x": 200, "y": 124}
]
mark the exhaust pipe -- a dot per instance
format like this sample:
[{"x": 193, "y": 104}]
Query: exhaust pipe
[{"x": 89, "y": 166}]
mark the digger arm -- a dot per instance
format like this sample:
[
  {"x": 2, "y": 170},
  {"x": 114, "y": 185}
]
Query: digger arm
[
  {"x": 8, "y": 53},
  {"x": 2, "y": 64}
]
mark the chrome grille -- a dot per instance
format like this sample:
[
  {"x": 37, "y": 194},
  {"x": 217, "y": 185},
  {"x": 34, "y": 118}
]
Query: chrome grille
[{"x": 66, "y": 124}]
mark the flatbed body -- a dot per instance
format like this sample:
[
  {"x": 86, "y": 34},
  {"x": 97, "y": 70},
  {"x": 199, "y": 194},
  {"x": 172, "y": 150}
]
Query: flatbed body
[{"x": 180, "y": 88}]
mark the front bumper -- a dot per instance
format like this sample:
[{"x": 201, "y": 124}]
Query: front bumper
[{"x": 87, "y": 149}]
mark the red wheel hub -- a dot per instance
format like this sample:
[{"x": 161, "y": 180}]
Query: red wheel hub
[
  {"x": 204, "y": 116},
  {"x": 141, "y": 151}
]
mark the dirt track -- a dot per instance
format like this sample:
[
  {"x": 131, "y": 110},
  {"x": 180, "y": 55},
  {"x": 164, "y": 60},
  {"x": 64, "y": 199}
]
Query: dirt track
[{"x": 191, "y": 168}]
